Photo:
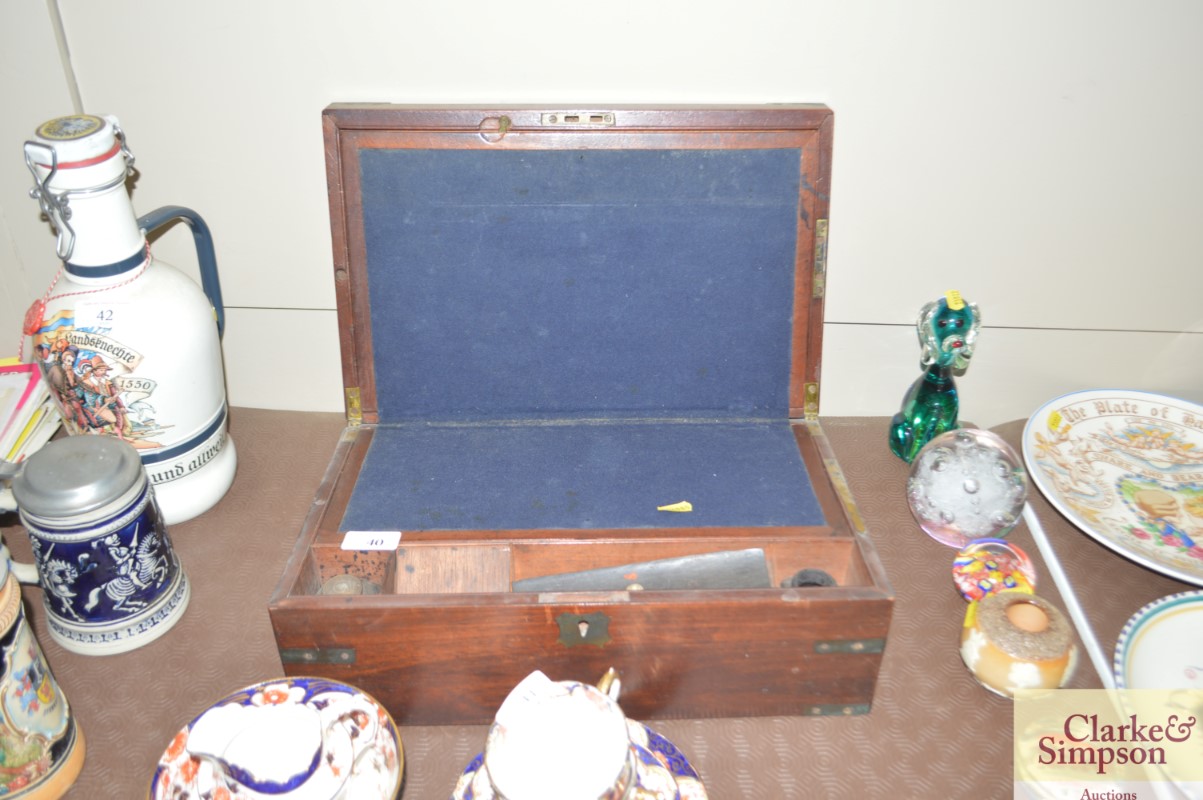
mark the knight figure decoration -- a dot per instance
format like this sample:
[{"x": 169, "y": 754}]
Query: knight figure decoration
[{"x": 947, "y": 330}]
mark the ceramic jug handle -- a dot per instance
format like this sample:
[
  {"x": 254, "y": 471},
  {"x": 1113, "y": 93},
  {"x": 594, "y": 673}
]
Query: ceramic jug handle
[
  {"x": 25, "y": 573},
  {"x": 205, "y": 254},
  {"x": 8, "y": 471},
  {"x": 610, "y": 685}
]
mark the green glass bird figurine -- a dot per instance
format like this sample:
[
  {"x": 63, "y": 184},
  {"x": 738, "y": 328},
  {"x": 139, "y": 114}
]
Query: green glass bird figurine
[{"x": 947, "y": 329}]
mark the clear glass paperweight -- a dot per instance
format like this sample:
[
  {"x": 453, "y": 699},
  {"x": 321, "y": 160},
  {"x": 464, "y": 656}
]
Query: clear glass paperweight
[{"x": 967, "y": 484}]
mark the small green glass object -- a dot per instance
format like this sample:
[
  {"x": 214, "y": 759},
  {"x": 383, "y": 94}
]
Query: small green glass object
[{"x": 947, "y": 331}]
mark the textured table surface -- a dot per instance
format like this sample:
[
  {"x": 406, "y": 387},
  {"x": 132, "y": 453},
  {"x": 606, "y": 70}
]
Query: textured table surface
[{"x": 933, "y": 732}]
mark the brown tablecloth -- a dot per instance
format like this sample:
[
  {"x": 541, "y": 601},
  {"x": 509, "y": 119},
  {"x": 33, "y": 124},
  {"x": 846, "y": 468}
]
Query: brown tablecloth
[{"x": 933, "y": 731}]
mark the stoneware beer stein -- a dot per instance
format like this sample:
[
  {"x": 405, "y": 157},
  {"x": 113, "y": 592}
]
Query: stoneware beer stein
[
  {"x": 129, "y": 346},
  {"x": 111, "y": 581},
  {"x": 42, "y": 748}
]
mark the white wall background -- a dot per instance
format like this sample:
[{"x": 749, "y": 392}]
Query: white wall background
[{"x": 1044, "y": 158}]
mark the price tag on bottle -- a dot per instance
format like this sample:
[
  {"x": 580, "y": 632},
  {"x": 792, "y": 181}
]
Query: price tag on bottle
[
  {"x": 94, "y": 314},
  {"x": 371, "y": 540}
]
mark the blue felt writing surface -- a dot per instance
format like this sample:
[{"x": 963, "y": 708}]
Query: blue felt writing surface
[
  {"x": 515, "y": 284},
  {"x": 582, "y": 475}
]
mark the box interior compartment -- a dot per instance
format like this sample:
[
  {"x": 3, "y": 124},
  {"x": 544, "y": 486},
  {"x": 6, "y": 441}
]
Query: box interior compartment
[{"x": 475, "y": 567}]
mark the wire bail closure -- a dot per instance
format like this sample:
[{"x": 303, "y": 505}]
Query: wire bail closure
[{"x": 57, "y": 205}]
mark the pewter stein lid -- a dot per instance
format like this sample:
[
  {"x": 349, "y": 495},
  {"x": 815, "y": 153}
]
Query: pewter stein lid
[{"x": 76, "y": 475}]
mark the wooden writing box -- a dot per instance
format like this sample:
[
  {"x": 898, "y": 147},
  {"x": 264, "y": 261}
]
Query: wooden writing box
[{"x": 554, "y": 323}]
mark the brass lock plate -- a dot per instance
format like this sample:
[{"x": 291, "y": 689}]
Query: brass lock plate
[{"x": 584, "y": 629}]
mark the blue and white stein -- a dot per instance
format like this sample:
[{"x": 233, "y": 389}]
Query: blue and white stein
[
  {"x": 111, "y": 580},
  {"x": 43, "y": 748}
]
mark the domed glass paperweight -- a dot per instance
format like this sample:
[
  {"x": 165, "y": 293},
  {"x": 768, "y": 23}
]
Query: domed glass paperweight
[
  {"x": 989, "y": 566},
  {"x": 967, "y": 484}
]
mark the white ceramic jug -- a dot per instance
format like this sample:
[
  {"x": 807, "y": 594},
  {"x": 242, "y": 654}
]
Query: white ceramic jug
[{"x": 129, "y": 345}]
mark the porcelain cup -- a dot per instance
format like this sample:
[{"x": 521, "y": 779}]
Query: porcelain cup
[
  {"x": 273, "y": 752},
  {"x": 564, "y": 740},
  {"x": 110, "y": 577}
]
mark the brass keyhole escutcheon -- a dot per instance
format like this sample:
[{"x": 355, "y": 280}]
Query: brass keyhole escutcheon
[{"x": 579, "y": 629}]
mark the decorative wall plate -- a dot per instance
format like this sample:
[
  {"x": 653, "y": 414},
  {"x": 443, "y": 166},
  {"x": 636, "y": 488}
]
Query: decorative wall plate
[
  {"x": 233, "y": 749},
  {"x": 1127, "y": 468}
]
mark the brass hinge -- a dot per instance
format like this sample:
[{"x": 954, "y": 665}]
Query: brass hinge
[
  {"x": 851, "y": 646},
  {"x": 819, "y": 283},
  {"x": 354, "y": 409},
  {"x": 850, "y": 710},
  {"x": 810, "y": 403},
  {"x": 317, "y": 655}
]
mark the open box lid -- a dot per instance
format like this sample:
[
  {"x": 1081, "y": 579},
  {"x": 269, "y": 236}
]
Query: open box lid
[
  {"x": 506, "y": 263},
  {"x": 506, "y": 273}
]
